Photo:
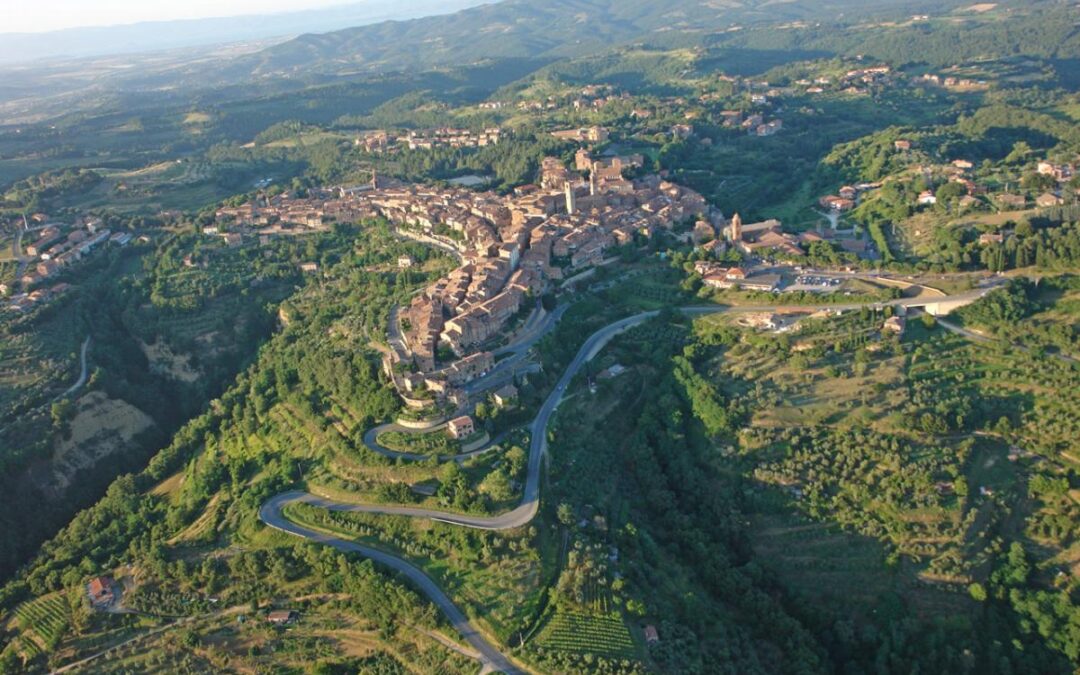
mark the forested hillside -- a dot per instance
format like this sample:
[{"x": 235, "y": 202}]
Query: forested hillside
[{"x": 551, "y": 30}]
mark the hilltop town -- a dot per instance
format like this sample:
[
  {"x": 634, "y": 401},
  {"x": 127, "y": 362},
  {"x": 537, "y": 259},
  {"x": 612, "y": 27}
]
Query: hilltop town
[
  {"x": 549, "y": 336},
  {"x": 512, "y": 250}
]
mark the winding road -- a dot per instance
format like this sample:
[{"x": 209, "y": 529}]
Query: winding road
[
  {"x": 272, "y": 514},
  {"x": 82, "y": 375},
  {"x": 371, "y": 441}
]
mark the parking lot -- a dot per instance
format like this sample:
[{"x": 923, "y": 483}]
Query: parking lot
[{"x": 814, "y": 284}]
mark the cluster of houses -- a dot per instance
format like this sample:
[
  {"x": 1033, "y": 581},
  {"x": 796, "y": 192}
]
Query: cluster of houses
[
  {"x": 715, "y": 275},
  {"x": 382, "y": 141},
  {"x": 512, "y": 248},
  {"x": 288, "y": 213},
  {"x": 754, "y": 238},
  {"x": 593, "y": 134},
  {"x": 57, "y": 247},
  {"x": 753, "y": 122},
  {"x": 853, "y": 82},
  {"x": 589, "y": 97},
  {"x": 1062, "y": 173},
  {"x": 847, "y": 197},
  {"x": 24, "y": 302},
  {"x": 757, "y": 239},
  {"x": 952, "y": 82},
  {"x": 959, "y": 171}
]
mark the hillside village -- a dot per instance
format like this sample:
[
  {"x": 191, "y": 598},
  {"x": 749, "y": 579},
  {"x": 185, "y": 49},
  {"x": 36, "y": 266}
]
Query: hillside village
[
  {"x": 512, "y": 250},
  {"x": 54, "y": 247}
]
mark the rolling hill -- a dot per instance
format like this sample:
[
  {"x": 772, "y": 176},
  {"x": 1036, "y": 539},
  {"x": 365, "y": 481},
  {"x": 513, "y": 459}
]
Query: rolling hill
[{"x": 548, "y": 30}]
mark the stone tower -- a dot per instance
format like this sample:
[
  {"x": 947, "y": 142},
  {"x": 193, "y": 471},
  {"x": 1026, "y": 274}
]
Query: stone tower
[
  {"x": 571, "y": 199},
  {"x": 736, "y": 228}
]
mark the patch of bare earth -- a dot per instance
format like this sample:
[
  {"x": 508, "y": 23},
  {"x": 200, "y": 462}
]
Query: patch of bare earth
[
  {"x": 164, "y": 360},
  {"x": 101, "y": 427}
]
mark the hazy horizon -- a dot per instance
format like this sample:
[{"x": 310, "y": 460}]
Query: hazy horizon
[
  {"x": 118, "y": 27},
  {"x": 48, "y": 16}
]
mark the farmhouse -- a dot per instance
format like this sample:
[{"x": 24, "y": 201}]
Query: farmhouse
[
  {"x": 102, "y": 591},
  {"x": 1047, "y": 200},
  {"x": 461, "y": 427},
  {"x": 1010, "y": 201},
  {"x": 837, "y": 203},
  {"x": 894, "y": 324},
  {"x": 282, "y": 617}
]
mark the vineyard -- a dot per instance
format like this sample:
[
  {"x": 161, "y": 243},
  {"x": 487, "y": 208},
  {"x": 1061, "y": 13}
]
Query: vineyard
[
  {"x": 42, "y": 624},
  {"x": 602, "y": 635}
]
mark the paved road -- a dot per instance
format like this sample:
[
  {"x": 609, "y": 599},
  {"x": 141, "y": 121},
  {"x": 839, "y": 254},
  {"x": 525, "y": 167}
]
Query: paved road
[
  {"x": 978, "y": 337},
  {"x": 17, "y": 250},
  {"x": 395, "y": 338},
  {"x": 505, "y": 370},
  {"x": 371, "y": 440},
  {"x": 538, "y": 325},
  {"x": 430, "y": 241},
  {"x": 491, "y": 657},
  {"x": 82, "y": 375},
  {"x": 271, "y": 511},
  {"x": 530, "y": 503}
]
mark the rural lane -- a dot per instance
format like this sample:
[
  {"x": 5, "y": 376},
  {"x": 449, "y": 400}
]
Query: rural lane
[{"x": 82, "y": 374}]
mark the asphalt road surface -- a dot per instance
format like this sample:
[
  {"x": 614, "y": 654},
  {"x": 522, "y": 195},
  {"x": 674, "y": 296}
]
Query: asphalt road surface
[
  {"x": 491, "y": 657},
  {"x": 371, "y": 440},
  {"x": 271, "y": 513}
]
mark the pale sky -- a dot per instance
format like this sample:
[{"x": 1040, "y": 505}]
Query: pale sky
[{"x": 31, "y": 16}]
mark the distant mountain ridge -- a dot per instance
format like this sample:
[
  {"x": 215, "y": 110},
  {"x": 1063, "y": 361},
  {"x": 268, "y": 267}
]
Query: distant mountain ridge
[
  {"x": 515, "y": 37},
  {"x": 548, "y": 29},
  {"x": 161, "y": 35}
]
